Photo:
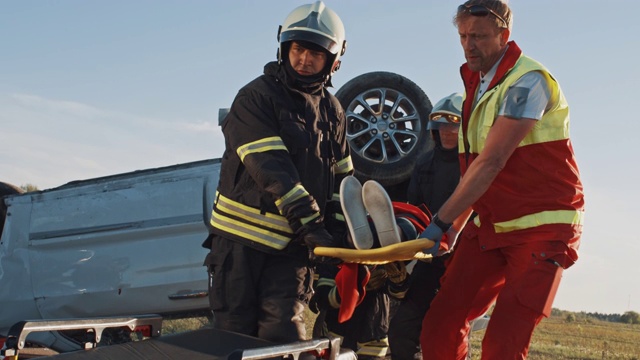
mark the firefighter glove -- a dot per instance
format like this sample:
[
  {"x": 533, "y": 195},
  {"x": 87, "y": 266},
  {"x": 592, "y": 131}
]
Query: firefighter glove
[
  {"x": 317, "y": 235},
  {"x": 304, "y": 210},
  {"x": 396, "y": 271},
  {"x": 377, "y": 279}
]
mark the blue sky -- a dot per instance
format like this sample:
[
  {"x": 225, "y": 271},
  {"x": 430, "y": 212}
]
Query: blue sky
[{"x": 93, "y": 88}]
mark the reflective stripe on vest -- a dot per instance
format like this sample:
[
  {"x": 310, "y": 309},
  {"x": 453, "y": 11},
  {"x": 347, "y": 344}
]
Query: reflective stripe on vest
[
  {"x": 573, "y": 217},
  {"x": 268, "y": 229},
  {"x": 262, "y": 145}
]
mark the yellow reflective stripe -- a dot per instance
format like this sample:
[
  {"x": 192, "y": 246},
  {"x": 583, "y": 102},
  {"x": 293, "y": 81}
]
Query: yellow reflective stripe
[
  {"x": 325, "y": 282},
  {"x": 262, "y": 145},
  {"x": 247, "y": 231},
  {"x": 376, "y": 348},
  {"x": 570, "y": 217},
  {"x": 249, "y": 214},
  {"x": 294, "y": 194},
  {"x": 333, "y": 298},
  {"x": 336, "y": 197},
  {"x": 398, "y": 294},
  {"x": 372, "y": 351},
  {"x": 343, "y": 166},
  {"x": 308, "y": 219}
]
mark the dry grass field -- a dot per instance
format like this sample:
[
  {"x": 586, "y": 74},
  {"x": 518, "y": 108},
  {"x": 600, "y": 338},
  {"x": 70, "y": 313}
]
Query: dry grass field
[{"x": 554, "y": 338}]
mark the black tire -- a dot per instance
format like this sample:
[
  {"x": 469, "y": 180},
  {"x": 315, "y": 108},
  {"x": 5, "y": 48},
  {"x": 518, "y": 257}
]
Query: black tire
[{"x": 387, "y": 116}]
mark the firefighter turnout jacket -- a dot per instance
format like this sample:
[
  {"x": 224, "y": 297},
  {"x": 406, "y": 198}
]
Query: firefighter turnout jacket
[{"x": 283, "y": 143}]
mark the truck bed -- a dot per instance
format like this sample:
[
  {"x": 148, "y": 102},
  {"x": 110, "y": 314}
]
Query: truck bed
[{"x": 204, "y": 343}]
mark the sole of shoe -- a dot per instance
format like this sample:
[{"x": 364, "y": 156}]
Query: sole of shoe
[
  {"x": 355, "y": 213},
  {"x": 378, "y": 205}
]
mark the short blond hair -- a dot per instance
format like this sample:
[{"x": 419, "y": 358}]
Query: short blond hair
[{"x": 499, "y": 7}]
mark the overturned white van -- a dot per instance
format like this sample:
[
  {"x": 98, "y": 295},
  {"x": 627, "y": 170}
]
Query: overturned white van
[{"x": 115, "y": 245}]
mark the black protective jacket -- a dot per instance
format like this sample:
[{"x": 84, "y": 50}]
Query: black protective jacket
[
  {"x": 438, "y": 170},
  {"x": 280, "y": 136},
  {"x": 433, "y": 181}
]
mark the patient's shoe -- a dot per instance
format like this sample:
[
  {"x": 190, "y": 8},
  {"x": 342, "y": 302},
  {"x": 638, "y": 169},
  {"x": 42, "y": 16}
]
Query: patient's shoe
[
  {"x": 378, "y": 204},
  {"x": 355, "y": 214}
]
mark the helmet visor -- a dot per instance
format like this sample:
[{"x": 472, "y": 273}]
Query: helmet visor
[
  {"x": 440, "y": 119},
  {"x": 312, "y": 37},
  {"x": 445, "y": 118}
]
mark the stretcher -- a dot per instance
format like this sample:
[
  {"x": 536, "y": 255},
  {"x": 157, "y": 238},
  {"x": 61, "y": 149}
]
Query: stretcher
[{"x": 406, "y": 250}]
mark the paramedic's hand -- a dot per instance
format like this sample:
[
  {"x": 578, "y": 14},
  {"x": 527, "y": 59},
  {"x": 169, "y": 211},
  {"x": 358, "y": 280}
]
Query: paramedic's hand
[
  {"x": 377, "y": 279},
  {"x": 451, "y": 237},
  {"x": 432, "y": 232},
  {"x": 396, "y": 271}
]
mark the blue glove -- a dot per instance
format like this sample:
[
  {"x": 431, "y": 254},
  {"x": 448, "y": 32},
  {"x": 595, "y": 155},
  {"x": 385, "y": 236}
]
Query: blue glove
[{"x": 432, "y": 232}]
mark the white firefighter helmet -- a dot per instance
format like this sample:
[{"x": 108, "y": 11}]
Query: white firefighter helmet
[
  {"x": 447, "y": 110},
  {"x": 317, "y": 24}
]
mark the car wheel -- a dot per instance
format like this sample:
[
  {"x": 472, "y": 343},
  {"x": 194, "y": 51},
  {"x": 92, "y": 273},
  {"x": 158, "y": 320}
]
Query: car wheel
[{"x": 386, "y": 125}]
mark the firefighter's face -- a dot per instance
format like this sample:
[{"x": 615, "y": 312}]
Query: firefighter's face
[
  {"x": 306, "y": 62},
  {"x": 449, "y": 135}
]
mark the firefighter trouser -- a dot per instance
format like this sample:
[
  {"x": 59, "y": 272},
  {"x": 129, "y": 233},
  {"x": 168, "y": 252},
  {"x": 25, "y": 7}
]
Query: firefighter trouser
[
  {"x": 520, "y": 276},
  {"x": 366, "y": 332},
  {"x": 406, "y": 323},
  {"x": 258, "y": 294}
]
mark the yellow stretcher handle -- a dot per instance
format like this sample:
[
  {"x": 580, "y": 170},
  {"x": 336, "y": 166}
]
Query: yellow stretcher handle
[{"x": 406, "y": 250}]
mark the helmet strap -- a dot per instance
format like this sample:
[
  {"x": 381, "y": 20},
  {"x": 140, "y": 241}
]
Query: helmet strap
[{"x": 309, "y": 84}]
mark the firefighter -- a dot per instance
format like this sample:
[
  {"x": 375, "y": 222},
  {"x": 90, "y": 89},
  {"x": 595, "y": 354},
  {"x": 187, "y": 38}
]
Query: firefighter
[
  {"x": 433, "y": 180},
  {"x": 520, "y": 176},
  {"x": 286, "y": 153},
  {"x": 353, "y": 301},
  {"x": 365, "y": 330}
]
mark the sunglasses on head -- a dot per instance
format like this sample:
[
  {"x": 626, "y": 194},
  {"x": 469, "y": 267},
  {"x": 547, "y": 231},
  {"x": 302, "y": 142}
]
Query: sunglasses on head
[
  {"x": 450, "y": 118},
  {"x": 480, "y": 10}
]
